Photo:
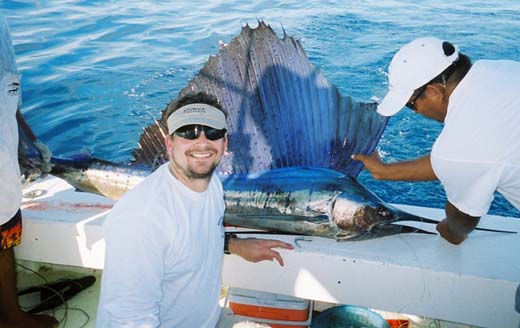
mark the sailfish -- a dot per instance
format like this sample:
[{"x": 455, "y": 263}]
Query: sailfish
[{"x": 291, "y": 134}]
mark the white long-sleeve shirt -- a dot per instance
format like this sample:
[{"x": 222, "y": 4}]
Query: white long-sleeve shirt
[{"x": 163, "y": 256}]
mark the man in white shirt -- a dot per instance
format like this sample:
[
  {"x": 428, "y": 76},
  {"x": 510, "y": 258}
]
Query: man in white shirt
[
  {"x": 165, "y": 238},
  {"x": 478, "y": 150}
]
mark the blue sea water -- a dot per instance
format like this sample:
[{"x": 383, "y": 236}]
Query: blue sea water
[{"x": 95, "y": 73}]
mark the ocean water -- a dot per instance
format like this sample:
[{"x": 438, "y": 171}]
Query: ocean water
[{"x": 95, "y": 73}]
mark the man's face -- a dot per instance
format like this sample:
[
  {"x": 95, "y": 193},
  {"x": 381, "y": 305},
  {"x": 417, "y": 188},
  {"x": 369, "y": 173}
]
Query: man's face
[
  {"x": 431, "y": 102},
  {"x": 197, "y": 158}
]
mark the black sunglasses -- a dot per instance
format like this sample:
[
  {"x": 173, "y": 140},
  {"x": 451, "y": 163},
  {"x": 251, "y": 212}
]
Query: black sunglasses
[
  {"x": 418, "y": 93},
  {"x": 192, "y": 132}
]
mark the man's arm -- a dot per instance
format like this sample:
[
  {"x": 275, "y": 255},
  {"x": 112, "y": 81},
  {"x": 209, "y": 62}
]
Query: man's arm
[
  {"x": 256, "y": 250},
  {"x": 419, "y": 169},
  {"x": 457, "y": 225}
]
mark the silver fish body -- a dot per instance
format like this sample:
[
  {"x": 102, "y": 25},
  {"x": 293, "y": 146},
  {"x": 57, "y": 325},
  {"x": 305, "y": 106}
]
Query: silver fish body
[{"x": 310, "y": 201}]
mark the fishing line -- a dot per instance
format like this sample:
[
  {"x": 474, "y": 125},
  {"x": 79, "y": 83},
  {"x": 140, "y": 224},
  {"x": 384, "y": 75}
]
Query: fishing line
[
  {"x": 65, "y": 303},
  {"x": 420, "y": 270},
  {"x": 48, "y": 288},
  {"x": 434, "y": 322},
  {"x": 87, "y": 320},
  {"x": 267, "y": 232}
]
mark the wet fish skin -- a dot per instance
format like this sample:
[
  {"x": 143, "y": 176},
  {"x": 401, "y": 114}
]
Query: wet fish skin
[
  {"x": 99, "y": 177},
  {"x": 312, "y": 201},
  {"x": 267, "y": 200}
]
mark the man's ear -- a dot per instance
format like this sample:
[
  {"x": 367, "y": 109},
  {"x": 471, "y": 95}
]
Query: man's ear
[
  {"x": 167, "y": 140},
  {"x": 168, "y": 144},
  {"x": 436, "y": 91}
]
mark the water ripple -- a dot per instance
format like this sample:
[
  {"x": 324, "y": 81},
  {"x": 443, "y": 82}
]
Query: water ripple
[{"x": 96, "y": 72}]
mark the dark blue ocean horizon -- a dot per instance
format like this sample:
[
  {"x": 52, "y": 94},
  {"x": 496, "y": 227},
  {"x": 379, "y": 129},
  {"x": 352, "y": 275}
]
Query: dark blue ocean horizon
[{"x": 95, "y": 73}]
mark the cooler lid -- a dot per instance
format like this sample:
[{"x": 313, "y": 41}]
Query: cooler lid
[{"x": 259, "y": 298}]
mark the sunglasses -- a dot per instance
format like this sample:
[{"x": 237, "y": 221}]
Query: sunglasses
[
  {"x": 192, "y": 132},
  {"x": 418, "y": 93}
]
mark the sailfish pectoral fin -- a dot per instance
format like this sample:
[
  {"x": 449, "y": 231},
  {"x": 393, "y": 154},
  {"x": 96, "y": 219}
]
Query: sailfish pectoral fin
[
  {"x": 283, "y": 217},
  {"x": 264, "y": 232},
  {"x": 318, "y": 225},
  {"x": 266, "y": 221}
]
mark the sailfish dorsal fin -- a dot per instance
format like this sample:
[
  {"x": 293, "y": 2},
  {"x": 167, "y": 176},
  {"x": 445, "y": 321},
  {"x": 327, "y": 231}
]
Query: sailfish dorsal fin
[{"x": 282, "y": 110}]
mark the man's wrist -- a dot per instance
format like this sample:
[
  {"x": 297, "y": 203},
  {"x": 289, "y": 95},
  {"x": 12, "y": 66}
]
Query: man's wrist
[{"x": 227, "y": 237}]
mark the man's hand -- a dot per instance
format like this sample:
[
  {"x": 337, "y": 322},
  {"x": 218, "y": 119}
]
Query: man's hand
[
  {"x": 256, "y": 250},
  {"x": 446, "y": 233},
  {"x": 373, "y": 164},
  {"x": 457, "y": 225}
]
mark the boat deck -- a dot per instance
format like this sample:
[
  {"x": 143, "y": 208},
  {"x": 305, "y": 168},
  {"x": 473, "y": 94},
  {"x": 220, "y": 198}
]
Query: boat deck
[{"x": 423, "y": 275}]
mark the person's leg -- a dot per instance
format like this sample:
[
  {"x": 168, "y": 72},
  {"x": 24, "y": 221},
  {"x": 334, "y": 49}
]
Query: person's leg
[
  {"x": 6, "y": 268},
  {"x": 8, "y": 293},
  {"x": 10, "y": 313}
]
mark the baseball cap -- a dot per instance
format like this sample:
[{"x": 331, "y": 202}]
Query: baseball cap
[
  {"x": 197, "y": 113},
  {"x": 414, "y": 65}
]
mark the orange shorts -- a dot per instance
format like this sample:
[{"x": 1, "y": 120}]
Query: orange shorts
[{"x": 11, "y": 232}]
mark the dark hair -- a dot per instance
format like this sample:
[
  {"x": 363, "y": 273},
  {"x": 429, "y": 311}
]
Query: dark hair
[
  {"x": 455, "y": 72},
  {"x": 192, "y": 98}
]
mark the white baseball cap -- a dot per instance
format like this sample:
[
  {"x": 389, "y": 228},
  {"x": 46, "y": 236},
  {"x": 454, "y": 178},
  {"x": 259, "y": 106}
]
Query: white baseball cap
[
  {"x": 197, "y": 113},
  {"x": 414, "y": 65}
]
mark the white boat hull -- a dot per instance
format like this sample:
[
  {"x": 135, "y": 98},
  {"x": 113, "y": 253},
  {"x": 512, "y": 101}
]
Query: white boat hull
[{"x": 473, "y": 284}]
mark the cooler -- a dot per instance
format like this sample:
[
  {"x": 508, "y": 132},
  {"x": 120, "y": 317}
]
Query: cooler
[{"x": 278, "y": 311}]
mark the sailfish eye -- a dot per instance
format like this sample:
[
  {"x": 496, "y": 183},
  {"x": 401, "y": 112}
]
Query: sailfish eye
[{"x": 384, "y": 212}]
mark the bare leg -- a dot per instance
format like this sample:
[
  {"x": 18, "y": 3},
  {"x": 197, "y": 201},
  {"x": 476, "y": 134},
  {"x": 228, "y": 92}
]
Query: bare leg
[{"x": 11, "y": 316}]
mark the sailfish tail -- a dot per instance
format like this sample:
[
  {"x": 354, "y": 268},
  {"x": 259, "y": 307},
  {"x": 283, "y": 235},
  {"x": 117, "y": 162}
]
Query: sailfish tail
[
  {"x": 33, "y": 155},
  {"x": 282, "y": 110}
]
